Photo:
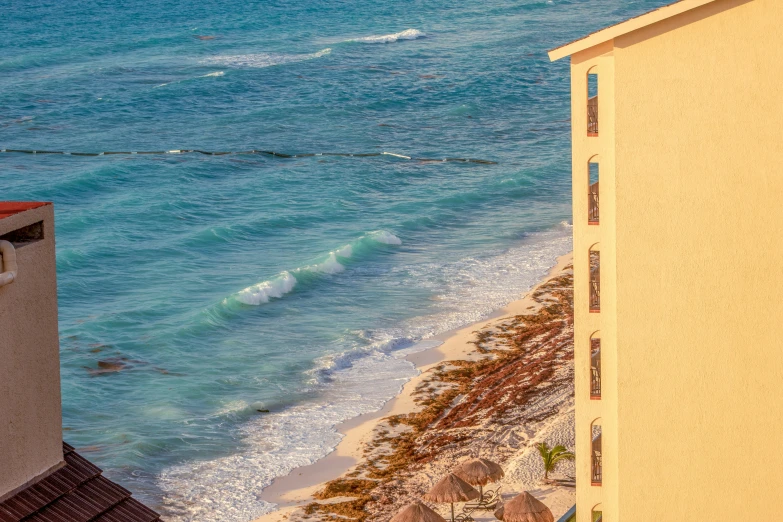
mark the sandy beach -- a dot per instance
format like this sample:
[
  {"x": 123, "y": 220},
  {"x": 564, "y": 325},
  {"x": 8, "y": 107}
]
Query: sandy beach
[{"x": 365, "y": 478}]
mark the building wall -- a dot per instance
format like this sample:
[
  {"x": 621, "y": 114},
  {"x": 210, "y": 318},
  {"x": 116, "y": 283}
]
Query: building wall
[
  {"x": 698, "y": 277},
  {"x": 600, "y": 149},
  {"x": 30, "y": 412}
]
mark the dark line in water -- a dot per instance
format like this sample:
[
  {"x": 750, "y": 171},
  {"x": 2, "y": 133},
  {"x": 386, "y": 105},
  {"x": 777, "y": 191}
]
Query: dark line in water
[{"x": 262, "y": 152}]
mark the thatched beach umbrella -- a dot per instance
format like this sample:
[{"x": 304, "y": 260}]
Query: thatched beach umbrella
[
  {"x": 451, "y": 489},
  {"x": 479, "y": 472},
  {"x": 524, "y": 508},
  {"x": 417, "y": 512}
]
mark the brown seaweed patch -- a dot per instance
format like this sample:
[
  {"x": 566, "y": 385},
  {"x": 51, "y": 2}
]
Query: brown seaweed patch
[{"x": 522, "y": 359}]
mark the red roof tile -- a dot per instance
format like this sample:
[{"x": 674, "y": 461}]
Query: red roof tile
[
  {"x": 9, "y": 208},
  {"x": 77, "y": 492}
]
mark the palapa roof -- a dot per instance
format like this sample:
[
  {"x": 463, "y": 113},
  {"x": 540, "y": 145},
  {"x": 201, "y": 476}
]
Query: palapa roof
[
  {"x": 524, "y": 508},
  {"x": 417, "y": 512},
  {"x": 625, "y": 27},
  {"x": 479, "y": 472},
  {"x": 451, "y": 488},
  {"x": 77, "y": 492}
]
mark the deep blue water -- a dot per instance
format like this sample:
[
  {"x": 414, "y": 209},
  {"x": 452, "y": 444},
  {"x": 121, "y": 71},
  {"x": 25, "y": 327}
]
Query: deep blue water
[{"x": 227, "y": 285}]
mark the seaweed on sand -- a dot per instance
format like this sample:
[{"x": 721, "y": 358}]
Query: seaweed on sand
[{"x": 459, "y": 403}]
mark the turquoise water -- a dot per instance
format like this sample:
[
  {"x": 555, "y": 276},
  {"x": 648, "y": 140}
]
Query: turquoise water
[{"x": 226, "y": 285}]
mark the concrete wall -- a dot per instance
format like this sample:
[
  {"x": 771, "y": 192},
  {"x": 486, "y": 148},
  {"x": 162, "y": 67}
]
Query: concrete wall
[
  {"x": 691, "y": 241},
  {"x": 597, "y": 60},
  {"x": 699, "y": 260},
  {"x": 30, "y": 412}
]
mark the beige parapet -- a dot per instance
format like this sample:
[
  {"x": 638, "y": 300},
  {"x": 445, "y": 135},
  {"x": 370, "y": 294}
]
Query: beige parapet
[{"x": 30, "y": 411}]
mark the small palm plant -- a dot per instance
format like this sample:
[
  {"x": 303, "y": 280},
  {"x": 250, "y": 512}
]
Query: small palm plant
[{"x": 553, "y": 456}]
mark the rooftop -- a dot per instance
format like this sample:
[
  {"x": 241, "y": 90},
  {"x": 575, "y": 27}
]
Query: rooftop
[
  {"x": 75, "y": 492},
  {"x": 9, "y": 208},
  {"x": 625, "y": 27}
]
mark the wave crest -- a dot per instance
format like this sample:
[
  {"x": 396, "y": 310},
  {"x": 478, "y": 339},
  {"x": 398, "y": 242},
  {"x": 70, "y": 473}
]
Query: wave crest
[
  {"x": 260, "y": 60},
  {"x": 381, "y": 236},
  {"x": 285, "y": 282},
  {"x": 263, "y": 291},
  {"x": 329, "y": 266},
  {"x": 407, "y": 34}
]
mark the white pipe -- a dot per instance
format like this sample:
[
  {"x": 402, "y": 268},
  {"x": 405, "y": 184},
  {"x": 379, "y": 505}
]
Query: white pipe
[{"x": 8, "y": 275}]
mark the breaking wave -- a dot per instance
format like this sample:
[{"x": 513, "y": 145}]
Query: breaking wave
[
  {"x": 407, "y": 34},
  {"x": 382, "y": 236},
  {"x": 266, "y": 290},
  {"x": 285, "y": 282},
  {"x": 263, "y": 59}
]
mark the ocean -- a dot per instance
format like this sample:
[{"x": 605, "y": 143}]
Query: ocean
[{"x": 219, "y": 315}]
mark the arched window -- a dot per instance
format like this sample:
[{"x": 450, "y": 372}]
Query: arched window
[
  {"x": 592, "y": 102},
  {"x": 593, "y": 168},
  {"x": 596, "y": 465},
  {"x": 595, "y": 278},
  {"x": 597, "y": 513},
  {"x": 595, "y": 366}
]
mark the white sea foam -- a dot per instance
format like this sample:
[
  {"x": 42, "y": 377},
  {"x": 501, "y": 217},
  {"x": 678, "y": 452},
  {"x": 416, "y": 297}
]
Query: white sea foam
[
  {"x": 230, "y": 407},
  {"x": 407, "y": 34},
  {"x": 264, "y": 59},
  {"x": 326, "y": 366},
  {"x": 346, "y": 251},
  {"x": 329, "y": 266},
  {"x": 263, "y": 291},
  {"x": 227, "y": 489},
  {"x": 283, "y": 283},
  {"x": 381, "y": 236},
  {"x": 212, "y": 74}
]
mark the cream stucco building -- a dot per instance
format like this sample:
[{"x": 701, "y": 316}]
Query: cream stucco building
[{"x": 678, "y": 256}]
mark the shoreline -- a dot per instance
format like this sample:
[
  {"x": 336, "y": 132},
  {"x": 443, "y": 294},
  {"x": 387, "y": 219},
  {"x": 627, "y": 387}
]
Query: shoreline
[{"x": 296, "y": 489}]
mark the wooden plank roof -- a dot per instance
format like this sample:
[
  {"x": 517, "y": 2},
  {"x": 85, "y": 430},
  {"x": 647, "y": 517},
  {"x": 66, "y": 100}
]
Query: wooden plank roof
[{"x": 77, "y": 492}]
